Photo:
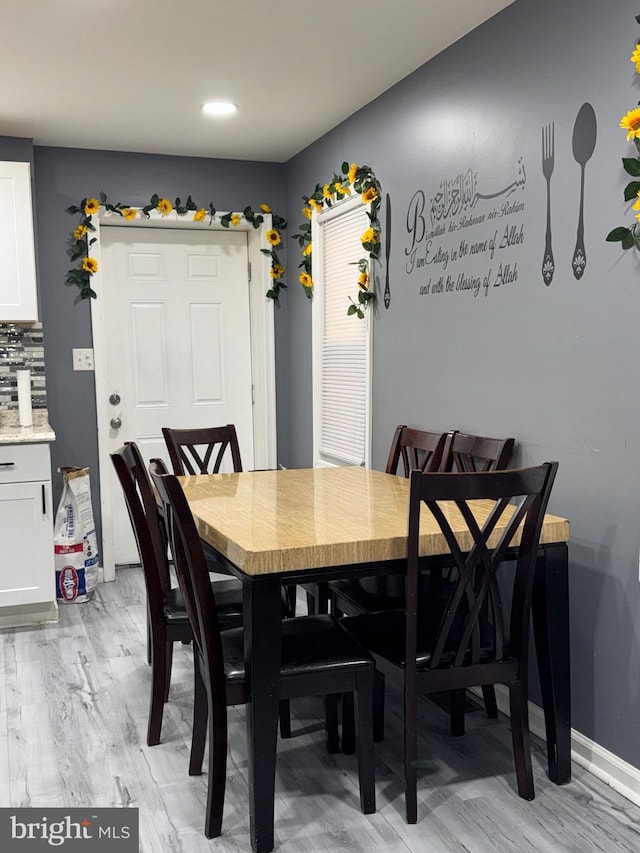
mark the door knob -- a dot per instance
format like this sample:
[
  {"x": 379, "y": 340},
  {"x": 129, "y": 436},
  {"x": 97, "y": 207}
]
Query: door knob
[
  {"x": 116, "y": 423},
  {"x": 114, "y": 399}
]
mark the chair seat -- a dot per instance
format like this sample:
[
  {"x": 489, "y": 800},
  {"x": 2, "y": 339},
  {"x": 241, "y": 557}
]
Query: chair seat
[
  {"x": 383, "y": 633},
  {"x": 357, "y": 595},
  {"x": 310, "y": 644},
  {"x": 228, "y": 595}
]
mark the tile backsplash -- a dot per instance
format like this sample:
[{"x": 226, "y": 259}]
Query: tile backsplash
[{"x": 21, "y": 345}]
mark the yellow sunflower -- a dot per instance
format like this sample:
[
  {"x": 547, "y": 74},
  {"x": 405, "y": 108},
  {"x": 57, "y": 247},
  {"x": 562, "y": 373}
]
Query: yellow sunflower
[
  {"x": 631, "y": 123},
  {"x": 276, "y": 271},
  {"x": 635, "y": 57},
  {"x": 307, "y": 250},
  {"x": 369, "y": 236},
  {"x": 351, "y": 175},
  {"x": 315, "y": 205},
  {"x": 305, "y": 279},
  {"x": 79, "y": 232},
  {"x": 307, "y": 212},
  {"x": 235, "y": 219},
  {"x": 273, "y": 237},
  {"x": 265, "y": 208},
  {"x": 92, "y": 206},
  {"x": 199, "y": 215},
  {"x": 128, "y": 213},
  {"x": 369, "y": 195},
  {"x": 90, "y": 265},
  {"x": 363, "y": 281},
  {"x": 343, "y": 189},
  {"x": 326, "y": 191},
  {"x": 164, "y": 206}
]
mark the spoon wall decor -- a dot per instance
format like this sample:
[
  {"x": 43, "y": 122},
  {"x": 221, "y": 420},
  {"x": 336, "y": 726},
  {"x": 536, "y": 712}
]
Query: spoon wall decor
[{"x": 584, "y": 141}]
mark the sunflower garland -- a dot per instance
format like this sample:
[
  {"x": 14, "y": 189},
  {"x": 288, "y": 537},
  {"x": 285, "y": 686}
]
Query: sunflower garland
[
  {"x": 363, "y": 181},
  {"x": 630, "y": 237},
  {"x": 81, "y": 241}
]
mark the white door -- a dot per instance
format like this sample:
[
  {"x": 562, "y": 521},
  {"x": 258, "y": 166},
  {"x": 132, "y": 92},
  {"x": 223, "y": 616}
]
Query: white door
[{"x": 178, "y": 349}]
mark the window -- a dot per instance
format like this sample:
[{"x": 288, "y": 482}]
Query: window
[{"x": 341, "y": 343}]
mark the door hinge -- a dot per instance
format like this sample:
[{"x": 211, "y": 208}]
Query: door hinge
[
  {"x": 249, "y": 269},
  {"x": 253, "y": 395}
]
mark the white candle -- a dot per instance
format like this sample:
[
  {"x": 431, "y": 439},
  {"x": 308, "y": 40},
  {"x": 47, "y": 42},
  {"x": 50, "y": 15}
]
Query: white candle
[{"x": 24, "y": 398}]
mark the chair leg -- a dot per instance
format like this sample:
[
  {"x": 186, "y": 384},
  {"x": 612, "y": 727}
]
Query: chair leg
[
  {"x": 348, "y": 725},
  {"x": 217, "y": 765},
  {"x": 284, "y": 712},
  {"x": 490, "y": 703},
  {"x": 521, "y": 740},
  {"x": 158, "y": 689},
  {"x": 410, "y": 755},
  {"x": 149, "y": 652},
  {"x": 365, "y": 747},
  {"x": 331, "y": 722},
  {"x": 378, "y": 706},
  {"x": 200, "y": 718},
  {"x": 168, "y": 665},
  {"x": 457, "y": 700}
]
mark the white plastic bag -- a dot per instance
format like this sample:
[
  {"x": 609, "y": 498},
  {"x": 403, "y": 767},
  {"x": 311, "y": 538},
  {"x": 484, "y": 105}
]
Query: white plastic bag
[{"x": 75, "y": 544}]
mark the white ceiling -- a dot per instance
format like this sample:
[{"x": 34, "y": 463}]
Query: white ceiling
[{"x": 130, "y": 75}]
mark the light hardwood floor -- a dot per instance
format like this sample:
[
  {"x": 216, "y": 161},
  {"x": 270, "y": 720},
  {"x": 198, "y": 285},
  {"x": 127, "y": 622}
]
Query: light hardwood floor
[{"x": 73, "y": 709}]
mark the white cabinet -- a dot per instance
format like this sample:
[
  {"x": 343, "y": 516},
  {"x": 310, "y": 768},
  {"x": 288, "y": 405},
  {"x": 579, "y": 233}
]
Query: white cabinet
[
  {"x": 27, "y": 575},
  {"x": 18, "y": 294}
]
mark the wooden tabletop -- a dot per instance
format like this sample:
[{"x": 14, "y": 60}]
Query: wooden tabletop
[{"x": 287, "y": 520}]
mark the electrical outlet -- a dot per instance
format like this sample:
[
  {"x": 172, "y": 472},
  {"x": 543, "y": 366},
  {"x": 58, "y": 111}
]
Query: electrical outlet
[{"x": 82, "y": 359}]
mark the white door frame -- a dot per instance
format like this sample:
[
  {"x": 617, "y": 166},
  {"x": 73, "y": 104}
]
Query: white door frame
[{"x": 261, "y": 319}]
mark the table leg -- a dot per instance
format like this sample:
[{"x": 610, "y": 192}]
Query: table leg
[
  {"x": 262, "y": 627},
  {"x": 551, "y": 631}
]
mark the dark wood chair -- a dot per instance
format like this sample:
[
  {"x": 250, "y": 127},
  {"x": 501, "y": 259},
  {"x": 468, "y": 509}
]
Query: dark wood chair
[
  {"x": 478, "y": 453},
  {"x": 319, "y": 657},
  {"x": 201, "y": 451},
  {"x": 167, "y": 620},
  {"x": 460, "y": 640}
]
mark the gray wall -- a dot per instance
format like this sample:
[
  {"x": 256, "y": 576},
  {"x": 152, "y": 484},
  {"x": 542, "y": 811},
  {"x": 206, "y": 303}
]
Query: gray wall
[
  {"x": 65, "y": 177},
  {"x": 555, "y": 366}
]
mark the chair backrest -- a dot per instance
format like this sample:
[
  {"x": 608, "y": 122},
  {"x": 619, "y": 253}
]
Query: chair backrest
[
  {"x": 470, "y": 619},
  {"x": 143, "y": 514},
  {"x": 192, "y": 571},
  {"x": 426, "y": 451},
  {"x": 201, "y": 451},
  {"x": 478, "y": 453}
]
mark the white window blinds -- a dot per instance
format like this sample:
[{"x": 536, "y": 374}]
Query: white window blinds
[{"x": 342, "y": 359}]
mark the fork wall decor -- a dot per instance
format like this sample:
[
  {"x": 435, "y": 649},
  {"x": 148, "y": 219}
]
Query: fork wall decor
[{"x": 583, "y": 144}]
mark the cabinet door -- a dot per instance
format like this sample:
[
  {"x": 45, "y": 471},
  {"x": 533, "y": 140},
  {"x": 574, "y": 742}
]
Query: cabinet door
[
  {"x": 18, "y": 296},
  {"x": 27, "y": 573}
]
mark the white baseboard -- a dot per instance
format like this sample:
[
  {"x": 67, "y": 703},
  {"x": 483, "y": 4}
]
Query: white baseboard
[{"x": 618, "y": 774}]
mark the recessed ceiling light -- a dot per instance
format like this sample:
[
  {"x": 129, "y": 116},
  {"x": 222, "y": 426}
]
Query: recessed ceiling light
[{"x": 219, "y": 108}]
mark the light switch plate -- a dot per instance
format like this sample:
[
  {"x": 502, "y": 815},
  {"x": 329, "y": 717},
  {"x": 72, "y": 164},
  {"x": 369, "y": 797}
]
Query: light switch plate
[{"x": 82, "y": 359}]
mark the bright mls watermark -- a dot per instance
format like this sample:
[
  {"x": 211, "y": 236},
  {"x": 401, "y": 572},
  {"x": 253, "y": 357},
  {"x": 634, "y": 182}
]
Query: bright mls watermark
[{"x": 101, "y": 830}]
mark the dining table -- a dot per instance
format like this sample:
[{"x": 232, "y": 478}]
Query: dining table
[{"x": 289, "y": 526}]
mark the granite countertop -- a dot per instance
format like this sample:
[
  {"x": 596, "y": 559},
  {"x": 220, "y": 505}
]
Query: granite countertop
[{"x": 12, "y": 433}]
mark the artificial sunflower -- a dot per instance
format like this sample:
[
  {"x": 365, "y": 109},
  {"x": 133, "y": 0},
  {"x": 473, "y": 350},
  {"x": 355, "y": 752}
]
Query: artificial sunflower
[
  {"x": 316, "y": 205},
  {"x": 351, "y": 175},
  {"x": 326, "y": 191},
  {"x": 199, "y": 215},
  {"x": 235, "y": 219},
  {"x": 631, "y": 123},
  {"x": 369, "y": 236},
  {"x": 79, "y": 232},
  {"x": 363, "y": 281},
  {"x": 307, "y": 212},
  {"x": 164, "y": 206},
  {"x": 276, "y": 271},
  {"x": 343, "y": 189},
  {"x": 273, "y": 237},
  {"x": 90, "y": 265},
  {"x": 635, "y": 57},
  {"x": 305, "y": 279},
  {"x": 129, "y": 213},
  {"x": 265, "y": 208},
  {"x": 369, "y": 195},
  {"x": 307, "y": 250},
  {"x": 92, "y": 206}
]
